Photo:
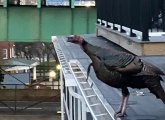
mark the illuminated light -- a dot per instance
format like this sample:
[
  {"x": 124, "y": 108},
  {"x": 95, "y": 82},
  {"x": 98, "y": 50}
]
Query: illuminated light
[
  {"x": 52, "y": 74},
  {"x": 37, "y": 87},
  {"x": 58, "y": 67}
]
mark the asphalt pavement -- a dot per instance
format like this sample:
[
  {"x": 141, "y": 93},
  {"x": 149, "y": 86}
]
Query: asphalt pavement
[
  {"x": 29, "y": 111},
  {"x": 29, "y": 117}
]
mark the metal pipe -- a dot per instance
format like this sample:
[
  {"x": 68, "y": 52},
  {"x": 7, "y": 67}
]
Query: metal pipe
[
  {"x": 62, "y": 95},
  {"x": 72, "y": 93},
  {"x": 15, "y": 100}
]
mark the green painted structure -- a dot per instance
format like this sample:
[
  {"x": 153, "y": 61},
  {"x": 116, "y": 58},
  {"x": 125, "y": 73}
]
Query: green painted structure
[{"x": 29, "y": 23}]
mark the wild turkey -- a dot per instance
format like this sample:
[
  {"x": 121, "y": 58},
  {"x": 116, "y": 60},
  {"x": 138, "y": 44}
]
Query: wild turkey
[{"x": 122, "y": 70}]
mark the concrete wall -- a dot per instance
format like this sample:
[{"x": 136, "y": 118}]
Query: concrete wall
[{"x": 132, "y": 44}]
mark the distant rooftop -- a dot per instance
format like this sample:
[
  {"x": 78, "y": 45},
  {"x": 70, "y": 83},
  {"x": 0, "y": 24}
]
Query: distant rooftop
[{"x": 17, "y": 64}]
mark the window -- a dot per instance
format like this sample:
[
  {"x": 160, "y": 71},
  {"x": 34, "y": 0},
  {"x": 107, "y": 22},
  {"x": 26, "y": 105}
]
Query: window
[
  {"x": 5, "y": 54},
  {"x": 22, "y": 2},
  {"x": 50, "y": 2},
  {"x": 1, "y": 2},
  {"x": 14, "y": 2},
  {"x": 57, "y": 2},
  {"x": 84, "y": 3},
  {"x": 66, "y": 2},
  {"x": 28, "y": 2}
]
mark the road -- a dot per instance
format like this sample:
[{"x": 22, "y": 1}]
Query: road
[{"x": 29, "y": 111}]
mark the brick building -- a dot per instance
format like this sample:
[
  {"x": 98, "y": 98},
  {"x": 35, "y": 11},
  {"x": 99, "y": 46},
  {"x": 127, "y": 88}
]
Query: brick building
[{"x": 7, "y": 50}]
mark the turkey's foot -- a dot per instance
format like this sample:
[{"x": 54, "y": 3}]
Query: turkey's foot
[{"x": 120, "y": 114}]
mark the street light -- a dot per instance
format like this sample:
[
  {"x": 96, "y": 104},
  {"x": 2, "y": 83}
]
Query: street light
[
  {"x": 58, "y": 67},
  {"x": 52, "y": 75}
]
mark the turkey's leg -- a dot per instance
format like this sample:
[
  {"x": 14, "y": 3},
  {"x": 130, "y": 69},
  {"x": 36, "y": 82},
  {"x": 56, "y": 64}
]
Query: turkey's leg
[{"x": 122, "y": 108}]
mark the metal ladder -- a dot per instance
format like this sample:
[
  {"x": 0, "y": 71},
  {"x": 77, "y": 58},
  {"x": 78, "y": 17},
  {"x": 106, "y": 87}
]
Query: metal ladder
[
  {"x": 94, "y": 103},
  {"x": 63, "y": 62},
  {"x": 75, "y": 75}
]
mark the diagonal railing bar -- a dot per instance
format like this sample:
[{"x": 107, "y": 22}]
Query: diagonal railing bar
[
  {"x": 13, "y": 76},
  {"x": 6, "y": 105}
]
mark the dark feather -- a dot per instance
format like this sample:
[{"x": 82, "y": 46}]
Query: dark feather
[
  {"x": 150, "y": 68},
  {"x": 106, "y": 62},
  {"x": 121, "y": 70}
]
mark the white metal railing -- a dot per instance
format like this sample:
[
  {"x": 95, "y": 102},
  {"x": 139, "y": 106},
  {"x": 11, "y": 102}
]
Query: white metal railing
[
  {"x": 89, "y": 91},
  {"x": 80, "y": 98},
  {"x": 74, "y": 104},
  {"x": 64, "y": 73}
]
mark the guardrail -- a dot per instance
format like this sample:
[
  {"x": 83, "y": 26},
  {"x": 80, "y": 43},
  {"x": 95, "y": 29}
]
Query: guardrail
[{"x": 80, "y": 98}]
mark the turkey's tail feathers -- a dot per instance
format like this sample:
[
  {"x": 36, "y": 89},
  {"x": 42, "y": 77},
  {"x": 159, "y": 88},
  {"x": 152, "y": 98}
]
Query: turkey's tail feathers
[
  {"x": 150, "y": 68},
  {"x": 159, "y": 92}
]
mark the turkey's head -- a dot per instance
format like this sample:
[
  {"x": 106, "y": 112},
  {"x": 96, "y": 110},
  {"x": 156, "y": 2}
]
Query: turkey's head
[{"x": 75, "y": 39}]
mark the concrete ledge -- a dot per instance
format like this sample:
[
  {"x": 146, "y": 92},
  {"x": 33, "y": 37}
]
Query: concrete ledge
[{"x": 133, "y": 44}]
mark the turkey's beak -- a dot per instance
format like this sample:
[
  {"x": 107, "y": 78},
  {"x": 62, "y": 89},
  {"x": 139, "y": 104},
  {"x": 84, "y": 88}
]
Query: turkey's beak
[{"x": 70, "y": 39}]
